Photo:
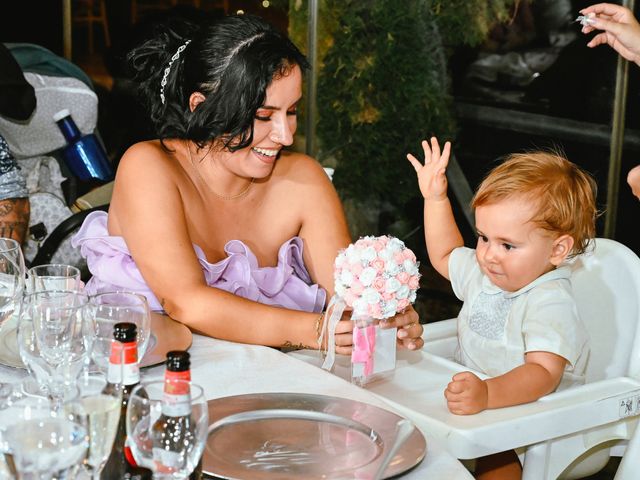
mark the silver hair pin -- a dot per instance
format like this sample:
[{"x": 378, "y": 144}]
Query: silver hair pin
[
  {"x": 176, "y": 55},
  {"x": 585, "y": 19}
]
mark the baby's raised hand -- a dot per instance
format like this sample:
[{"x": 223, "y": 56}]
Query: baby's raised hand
[
  {"x": 466, "y": 394},
  {"x": 431, "y": 175}
]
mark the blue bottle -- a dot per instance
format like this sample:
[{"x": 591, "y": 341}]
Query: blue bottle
[{"x": 84, "y": 154}]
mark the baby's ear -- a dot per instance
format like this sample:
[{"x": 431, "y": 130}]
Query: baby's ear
[{"x": 562, "y": 247}]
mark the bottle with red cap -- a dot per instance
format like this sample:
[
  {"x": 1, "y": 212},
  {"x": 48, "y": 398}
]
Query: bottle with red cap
[
  {"x": 174, "y": 424},
  {"x": 123, "y": 375}
]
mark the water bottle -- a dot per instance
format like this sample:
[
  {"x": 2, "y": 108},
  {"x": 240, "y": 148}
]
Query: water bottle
[{"x": 84, "y": 154}]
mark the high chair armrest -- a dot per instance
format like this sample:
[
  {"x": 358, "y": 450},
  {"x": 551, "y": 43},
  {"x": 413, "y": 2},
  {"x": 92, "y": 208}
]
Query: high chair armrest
[
  {"x": 417, "y": 390},
  {"x": 441, "y": 338}
]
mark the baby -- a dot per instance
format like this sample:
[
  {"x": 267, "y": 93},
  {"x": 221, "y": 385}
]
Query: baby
[{"x": 519, "y": 322}]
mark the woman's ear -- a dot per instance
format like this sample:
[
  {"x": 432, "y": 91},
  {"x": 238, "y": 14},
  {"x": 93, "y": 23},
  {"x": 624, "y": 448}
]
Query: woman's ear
[
  {"x": 195, "y": 99},
  {"x": 562, "y": 247}
]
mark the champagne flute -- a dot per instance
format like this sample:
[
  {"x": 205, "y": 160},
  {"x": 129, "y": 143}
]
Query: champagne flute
[
  {"x": 101, "y": 409},
  {"x": 12, "y": 271},
  {"x": 54, "y": 276},
  {"x": 110, "y": 308},
  {"x": 163, "y": 438}
]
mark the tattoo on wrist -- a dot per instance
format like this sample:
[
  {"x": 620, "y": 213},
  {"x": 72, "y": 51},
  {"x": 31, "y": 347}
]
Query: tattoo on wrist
[
  {"x": 7, "y": 206},
  {"x": 290, "y": 345},
  {"x": 13, "y": 229}
]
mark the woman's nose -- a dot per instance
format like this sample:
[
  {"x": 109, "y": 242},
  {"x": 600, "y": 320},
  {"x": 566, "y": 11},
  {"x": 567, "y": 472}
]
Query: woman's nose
[{"x": 282, "y": 132}]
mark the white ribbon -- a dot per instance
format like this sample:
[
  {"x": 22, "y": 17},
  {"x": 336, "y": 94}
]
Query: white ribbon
[{"x": 336, "y": 307}]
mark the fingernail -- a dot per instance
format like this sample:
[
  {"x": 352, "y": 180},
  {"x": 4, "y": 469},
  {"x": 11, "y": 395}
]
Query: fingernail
[{"x": 402, "y": 334}]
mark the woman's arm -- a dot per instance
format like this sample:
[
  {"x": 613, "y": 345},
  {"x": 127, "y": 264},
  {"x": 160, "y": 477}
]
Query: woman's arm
[{"x": 147, "y": 210}]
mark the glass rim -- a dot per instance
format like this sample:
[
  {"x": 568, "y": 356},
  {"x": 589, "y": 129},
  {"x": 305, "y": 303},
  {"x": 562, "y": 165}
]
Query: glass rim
[
  {"x": 49, "y": 265},
  {"x": 144, "y": 385},
  {"x": 15, "y": 244},
  {"x": 124, "y": 293}
]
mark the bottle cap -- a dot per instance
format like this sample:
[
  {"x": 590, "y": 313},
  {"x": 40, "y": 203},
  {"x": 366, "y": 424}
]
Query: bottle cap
[
  {"x": 178, "y": 361},
  {"x": 124, "y": 332},
  {"x": 61, "y": 114}
]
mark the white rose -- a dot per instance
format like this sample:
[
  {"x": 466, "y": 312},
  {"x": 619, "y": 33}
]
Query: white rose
[
  {"x": 369, "y": 254},
  {"x": 340, "y": 290},
  {"x": 367, "y": 276},
  {"x": 412, "y": 297},
  {"x": 392, "y": 285},
  {"x": 346, "y": 277},
  {"x": 410, "y": 267},
  {"x": 395, "y": 245},
  {"x": 385, "y": 254},
  {"x": 352, "y": 254},
  {"x": 391, "y": 267},
  {"x": 389, "y": 309},
  {"x": 371, "y": 296},
  {"x": 403, "y": 291},
  {"x": 359, "y": 306},
  {"x": 339, "y": 260}
]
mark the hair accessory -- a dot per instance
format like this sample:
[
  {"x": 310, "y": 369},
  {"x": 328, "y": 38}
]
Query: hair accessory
[{"x": 176, "y": 55}]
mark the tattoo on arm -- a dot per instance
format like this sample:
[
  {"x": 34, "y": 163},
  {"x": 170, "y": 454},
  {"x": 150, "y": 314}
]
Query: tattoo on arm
[
  {"x": 14, "y": 218},
  {"x": 289, "y": 345}
]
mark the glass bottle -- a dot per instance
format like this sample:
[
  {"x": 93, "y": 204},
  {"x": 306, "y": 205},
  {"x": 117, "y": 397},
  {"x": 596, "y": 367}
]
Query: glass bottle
[
  {"x": 174, "y": 424},
  {"x": 123, "y": 375},
  {"x": 84, "y": 154}
]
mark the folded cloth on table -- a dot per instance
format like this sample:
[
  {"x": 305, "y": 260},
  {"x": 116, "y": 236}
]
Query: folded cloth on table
[{"x": 287, "y": 285}]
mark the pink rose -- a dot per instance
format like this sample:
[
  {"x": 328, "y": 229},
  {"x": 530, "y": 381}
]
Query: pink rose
[
  {"x": 356, "y": 288},
  {"x": 378, "y": 284},
  {"x": 378, "y": 264},
  {"x": 363, "y": 243},
  {"x": 403, "y": 277},
  {"x": 388, "y": 296},
  {"x": 398, "y": 258},
  {"x": 402, "y": 304},
  {"x": 408, "y": 255},
  {"x": 374, "y": 310},
  {"x": 356, "y": 269},
  {"x": 378, "y": 245},
  {"x": 349, "y": 298},
  {"x": 414, "y": 282}
]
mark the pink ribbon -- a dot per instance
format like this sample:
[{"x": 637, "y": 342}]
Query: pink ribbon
[{"x": 364, "y": 345}]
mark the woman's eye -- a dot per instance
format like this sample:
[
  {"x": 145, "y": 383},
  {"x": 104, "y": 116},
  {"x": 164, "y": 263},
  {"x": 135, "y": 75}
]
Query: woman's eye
[
  {"x": 263, "y": 118},
  {"x": 292, "y": 112}
]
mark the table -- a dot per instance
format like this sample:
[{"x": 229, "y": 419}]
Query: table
[{"x": 225, "y": 368}]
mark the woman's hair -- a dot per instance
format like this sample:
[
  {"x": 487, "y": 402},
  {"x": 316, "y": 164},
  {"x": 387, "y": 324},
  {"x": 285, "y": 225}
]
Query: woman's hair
[
  {"x": 231, "y": 61},
  {"x": 564, "y": 193}
]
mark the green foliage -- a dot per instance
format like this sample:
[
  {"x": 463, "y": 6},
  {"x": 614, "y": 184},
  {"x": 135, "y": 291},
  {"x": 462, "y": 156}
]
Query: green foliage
[{"x": 382, "y": 89}]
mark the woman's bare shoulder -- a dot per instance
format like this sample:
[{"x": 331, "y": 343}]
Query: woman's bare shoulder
[{"x": 298, "y": 167}]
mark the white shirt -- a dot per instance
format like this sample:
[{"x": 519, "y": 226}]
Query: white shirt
[{"x": 496, "y": 328}]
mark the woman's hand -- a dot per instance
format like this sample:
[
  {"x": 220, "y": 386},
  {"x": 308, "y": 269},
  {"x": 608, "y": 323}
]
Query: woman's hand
[
  {"x": 466, "y": 394},
  {"x": 409, "y": 328},
  {"x": 620, "y": 29},
  {"x": 431, "y": 175}
]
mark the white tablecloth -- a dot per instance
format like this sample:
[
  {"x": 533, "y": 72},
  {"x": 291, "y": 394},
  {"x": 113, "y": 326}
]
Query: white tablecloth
[{"x": 225, "y": 368}]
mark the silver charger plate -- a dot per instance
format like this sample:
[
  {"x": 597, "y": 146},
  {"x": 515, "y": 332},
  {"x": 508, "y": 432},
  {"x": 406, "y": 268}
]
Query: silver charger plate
[
  {"x": 166, "y": 335},
  {"x": 286, "y": 436}
]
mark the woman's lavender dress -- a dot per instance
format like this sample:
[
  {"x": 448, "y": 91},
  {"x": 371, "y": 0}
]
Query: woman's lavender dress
[{"x": 287, "y": 285}]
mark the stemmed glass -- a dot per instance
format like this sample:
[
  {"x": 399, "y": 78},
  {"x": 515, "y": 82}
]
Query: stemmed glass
[
  {"x": 168, "y": 445},
  {"x": 12, "y": 271},
  {"x": 110, "y": 308},
  {"x": 53, "y": 277},
  {"x": 101, "y": 411},
  {"x": 55, "y": 335},
  {"x": 40, "y": 442}
]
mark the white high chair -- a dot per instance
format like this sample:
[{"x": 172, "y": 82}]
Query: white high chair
[{"x": 568, "y": 434}]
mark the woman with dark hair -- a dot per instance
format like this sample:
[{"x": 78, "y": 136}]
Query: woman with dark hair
[{"x": 217, "y": 201}]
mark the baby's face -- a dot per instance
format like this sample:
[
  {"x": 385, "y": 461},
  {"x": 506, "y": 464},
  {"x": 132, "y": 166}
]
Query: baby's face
[{"x": 512, "y": 251}]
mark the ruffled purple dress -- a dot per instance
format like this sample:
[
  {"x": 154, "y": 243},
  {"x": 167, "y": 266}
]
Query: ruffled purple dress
[{"x": 287, "y": 285}]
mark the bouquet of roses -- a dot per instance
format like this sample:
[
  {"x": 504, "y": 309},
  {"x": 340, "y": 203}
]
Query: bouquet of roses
[{"x": 376, "y": 277}]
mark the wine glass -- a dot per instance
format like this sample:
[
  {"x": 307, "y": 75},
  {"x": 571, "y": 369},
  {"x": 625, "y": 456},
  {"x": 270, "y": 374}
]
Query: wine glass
[
  {"x": 41, "y": 442},
  {"x": 55, "y": 335},
  {"x": 11, "y": 277},
  {"x": 53, "y": 276},
  {"x": 110, "y": 308},
  {"x": 167, "y": 440},
  {"x": 101, "y": 410}
]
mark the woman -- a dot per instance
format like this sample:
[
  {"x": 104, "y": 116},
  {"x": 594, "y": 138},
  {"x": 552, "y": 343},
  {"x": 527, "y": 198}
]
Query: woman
[{"x": 216, "y": 201}]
